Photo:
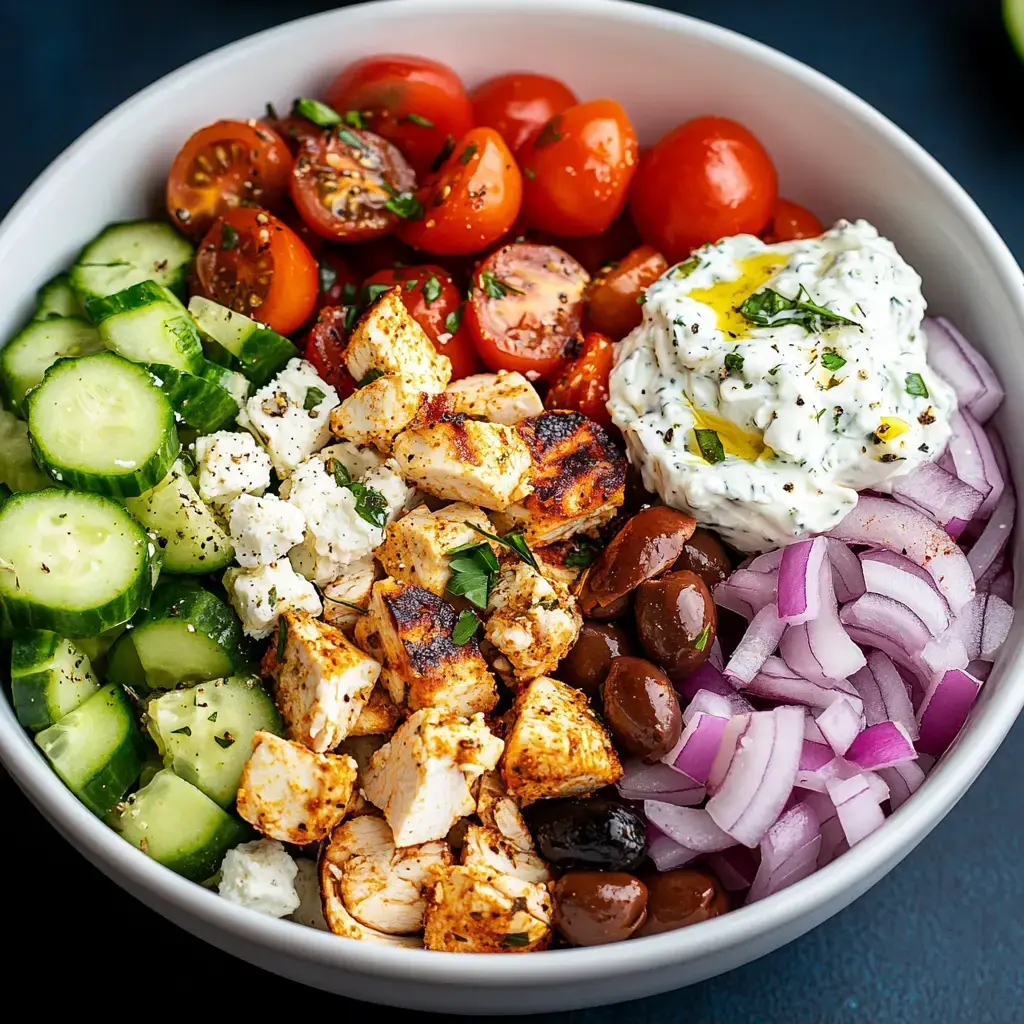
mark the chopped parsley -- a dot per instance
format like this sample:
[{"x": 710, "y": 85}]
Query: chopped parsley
[
  {"x": 702, "y": 641},
  {"x": 350, "y": 318},
  {"x": 282, "y": 637},
  {"x": 684, "y": 269},
  {"x": 350, "y": 140},
  {"x": 514, "y": 542},
  {"x": 831, "y": 360},
  {"x": 354, "y": 119},
  {"x": 314, "y": 396},
  {"x": 272, "y": 597},
  {"x": 466, "y": 626},
  {"x": 733, "y": 362},
  {"x": 495, "y": 288},
  {"x": 225, "y": 741},
  {"x": 916, "y": 386},
  {"x": 183, "y": 731},
  {"x": 764, "y": 306},
  {"x": 473, "y": 567},
  {"x": 228, "y": 238},
  {"x": 442, "y": 157},
  {"x": 581, "y": 556},
  {"x": 348, "y": 292},
  {"x": 358, "y": 608},
  {"x": 516, "y": 939},
  {"x": 417, "y": 119},
  {"x": 369, "y": 377},
  {"x": 710, "y": 445},
  {"x": 371, "y": 505},
  {"x": 641, "y": 299},
  {"x": 403, "y": 204},
  {"x": 549, "y": 133},
  {"x": 453, "y": 321},
  {"x": 319, "y": 113},
  {"x": 372, "y": 292},
  {"x": 468, "y": 153},
  {"x": 431, "y": 289}
]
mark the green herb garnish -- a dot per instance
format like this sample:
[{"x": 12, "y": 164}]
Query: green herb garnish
[
  {"x": 684, "y": 269},
  {"x": 282, "y": 637},
  {"x": 319, "y": 113},
  {"x": 328, "y": 277},
  {"x": 831, "y": 360},
  {"x": 710, "y": 445},
  {"x": 702, "y": 641},
  {"x": 442, "y": 157},
  {"x": 468, "y": 153},
  {"x": 762, "y": 307},
  {"x": 371, "y": 505},
  {"x": 314, "y": 396},
  {"x": 581, "y": 556},
  {"x": 369, "y": 377},
  {"x": 372, "y": 292},
  {"x": 916, "y": 386},
  {"x": 183, "y": 731},
  {"x": 228, "y": 237},
  {"x": 225, "y": 741},
  {"x": 348, "y": 292},
  {"x": 733, "y": 362},
  {"x": 354, "y": 119},
  {"x": 358, "y": 608},
  {"x": 472, "y": 572},
  {"x": 353, "y": 141},
  {"x": 549, "y": 133},
  {"x": 641, "y": 299},
  {"x": 350, "y": 318},
  {"x": 453, "y": 321},
  {"x": 515, "y": 542},
  {"x": 516, "y": 939},
  {"x": 466, "y": 626},
  {"x": 431, "y": 289},
  {"x": 495, "y": 288},
  {"x": 403, "y": 204},
  {"x": 272, "y": 596},
  {"x": 417, "y": 119}
]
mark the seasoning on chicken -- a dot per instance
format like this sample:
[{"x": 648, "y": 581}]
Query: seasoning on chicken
[
  {"x": 497, "y": 810},
  {"x": 349, "y": 593},
  {"x": 503, "y": 397},
  {"x": 488, "y": 848},
  {"x": 379, "y": 716}
]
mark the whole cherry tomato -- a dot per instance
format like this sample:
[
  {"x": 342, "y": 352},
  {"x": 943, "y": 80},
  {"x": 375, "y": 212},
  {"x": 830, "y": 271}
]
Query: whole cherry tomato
[
  {"x": 413, "y": 102},
  {"x": 706, "y": 179},
  {"x": 339, "y": 283},
  {"x": 222, "y": 166},
  {"x": 295, "y": 130},
  {"x": 325, "y": 345},
  {"x": 613, "y": 305},
  {"x": 517, "y": 106},
  {"x": 790, "y": 222},
  {"x": 577, "y": 169},
  {"x": 583, "y": 385},
  {"x": 525, "y": 308},
  {"x": 253, "y": 263},
  {"x": 290, "y": 216},
  {"x": 471, "y": 201}
]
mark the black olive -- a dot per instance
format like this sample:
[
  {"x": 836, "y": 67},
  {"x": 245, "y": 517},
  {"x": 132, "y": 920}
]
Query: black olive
[{"x": 605, "y": 835}]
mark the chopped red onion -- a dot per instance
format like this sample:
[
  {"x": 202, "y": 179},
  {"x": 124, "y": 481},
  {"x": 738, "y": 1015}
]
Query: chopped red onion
[
  {"x": 666, "y": 853},
  {"x": 856, "y": 807},
  {"x": 777, "y": 681},
  {"x": 881, "y": 746},
  {"x": 847, "y": 574},
  {"x": 768, "y": 562},
  {"x": 839, "y": 724},
  {"x": 940, "y": 495},
  {"x": 758, "y": 643},
  {"x": 746, "y": 592},
  {"x": 708, "y": 702},
  {"x": 994, "y": 537},
  {"x": 799, "y": 584},
  {"x": 814, "y": 756},
  {"x": 896, "y": 581},
  {"x": 887, "y": 618},
  {"x": 979, "y": 669},
  {"x": 707, "y": 677},
  {"x": 943, "y": 653},
  {"x": 736, "y": 867},
  {"x": 840, "y": 768},
  {"x": 943, "y": 711},
  {"x": 972, "y": 458},
  {"x": 659, "y": 782},
  {"x": 716, "y": 658},
  {"x": 912, "y": 668},
  {"x": 811, "y": 731},
  {"x": 884, "y": 693},
  {"x": 995, "y": 626},
  {"x": 963, "y": 367},
  {"x": 698, "y": 744},
  {"x": 789, "y": 852},
  {"x": 688, "y": 826},
  {"x": 904, "y": 780}
]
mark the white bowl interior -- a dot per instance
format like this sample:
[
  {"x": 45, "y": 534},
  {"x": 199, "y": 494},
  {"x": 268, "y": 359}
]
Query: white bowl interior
[{"x": 833, "y": 153}]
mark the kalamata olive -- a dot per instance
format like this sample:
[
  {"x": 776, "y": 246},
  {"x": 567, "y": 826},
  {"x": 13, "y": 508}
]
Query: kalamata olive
[
  {"x": 647, "y": 545},
  {"x": 678, "y": 898},
  {"x": 587, "y": 664},
  {"x": 705, "y": 555},
  {"x": 592, "y": 908},
  {"x": 641, "y": 708},
  {"x": 617, "y": 609},
  {"x": 676, "y": 621},
  {"x": 600, "y": 834}
]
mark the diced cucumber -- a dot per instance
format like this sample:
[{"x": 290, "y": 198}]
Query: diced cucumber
[
  {"x": 18, "y": 469},
  {"x": 95, "y": 648},
  {"x": 190, "y": 538},
  {"x": 198, "y": 398},
  {"x": 50, "y": 677},
  {"x": 179, "y": 826},
  {"x": 73, "y": 563},
  {"x": 125, "y": 254},
  {"x": 187, "y": 635},
  {"x": 147, "y": 324},
  {"x": 5, "y": 493},
  {"x": 99, "y": 423},
  {"x": 123, "y": 665},
  {"x": 260, "y": 351},
  {"x": 205, "y": 732},
  {"x": 57, "y": 298},
  {"x": 96, "y": 749},
  {"x": 27, "y": 356},
  {"x": 153, "y": 764}
]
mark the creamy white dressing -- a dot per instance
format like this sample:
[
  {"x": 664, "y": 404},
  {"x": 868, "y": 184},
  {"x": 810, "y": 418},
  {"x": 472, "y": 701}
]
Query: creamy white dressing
[{"x": 806, "y": 416}]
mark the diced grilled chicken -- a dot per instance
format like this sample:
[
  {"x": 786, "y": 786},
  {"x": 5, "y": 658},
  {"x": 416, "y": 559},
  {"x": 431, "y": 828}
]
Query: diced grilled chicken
[
  {"x": 578, "y": 477},
  {"x": 290, "y": 793},
  {"x": 415, "y": 629},
  {"x": 361, "y": 749},
  {"x": 379, "y": 716},
  {"x": 557, "y": 746},
  {"x": 421, "y": 778},
  {"x": 376, "y": 412},
  {"x": 349, "y": 593},
  {"x": 503, "y": 397},
  {"x": 488, "y": 848},
  {"x": 485, "y": 464},
  {"x": 498, "y": 811},
  {"x": 566, "y": 561}
]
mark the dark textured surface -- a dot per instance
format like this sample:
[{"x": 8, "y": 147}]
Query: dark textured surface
[{"x": 941, "y": 939}]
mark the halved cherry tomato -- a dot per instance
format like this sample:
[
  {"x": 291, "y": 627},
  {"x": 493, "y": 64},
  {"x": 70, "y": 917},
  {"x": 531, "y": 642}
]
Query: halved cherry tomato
[
  {"x": 433, "y": 301},
  {"x": 254, "y": 264},
  {"x": 348, "y": 184},
  {"x": 613, "y": 306},
  {"x": 706, "y": 179},
  {"x": 295, "y": 130},
  {"x": 791, "y": 221},
  {"x": 517, "y": 106},
  {"x": 583, "y": 384},
  {"x": 472, "y": 200},
  {"x": 325, "y": 344},
  {"x": 577, "y": 169},
  {"x": 290, "y": 216},
  {"x": 339, "y": 283},
  {"x": 525, "y": 308},
  {"x": 222, "y": 166},
  {"x": 413, "y": 102}
]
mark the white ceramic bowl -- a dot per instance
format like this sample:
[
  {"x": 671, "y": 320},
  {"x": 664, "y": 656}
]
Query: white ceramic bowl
[{"x": 834, "y": 153}]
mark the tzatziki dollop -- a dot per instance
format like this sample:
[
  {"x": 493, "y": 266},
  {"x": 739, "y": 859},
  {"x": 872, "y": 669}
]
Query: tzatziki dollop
[{"x": 768, "y": 384}]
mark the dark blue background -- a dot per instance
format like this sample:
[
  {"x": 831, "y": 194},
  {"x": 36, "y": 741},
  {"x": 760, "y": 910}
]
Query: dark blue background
[{"x": 941, "y": 939}]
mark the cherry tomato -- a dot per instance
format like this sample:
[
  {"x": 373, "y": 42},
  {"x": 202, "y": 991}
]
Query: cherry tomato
[
  {"x": 287, "y": 213},
  {"x": 790, "y": 221},
  {"x": 577, "y": 169},
  {"x": 517, "y": 106},
  {"x": 350, "y": 185},
  {"x": 325, "y": 345},
  {"x": 253, "y": 263},
  {"x": 222, "y": 166},
  {"x": 613, "y": 306},
  {"x": 295, "y": 130},
  {"x": 583, "y": 385},
  {"x": 379, "y": 254},
  {"x": 525, "y": 308},
  {"x": 413, "y": 102},
  {"x": 595, "y": 251},
  {"x": 472, "y": 200},
  {"x": 433, "y": 301},
  {"x": 339, "y": 283},
  {"x": 706, "y": 179}
]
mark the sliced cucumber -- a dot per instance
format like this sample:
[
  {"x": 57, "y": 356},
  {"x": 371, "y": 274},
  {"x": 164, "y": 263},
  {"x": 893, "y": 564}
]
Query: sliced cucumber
[
  {"x": 96, "y": 749},
  {"x": 198, "y": 398},
  {"x": 187, "y": 635},
  {"x": 189, "y": 537},
  {"x": 95, "y": 648},
  {"x": 73, "y": 563},
  {"x": 125, "y": 254},
  {"x": 179, "y": 826},
  {"x": 1013, "y": 15},
  {"x": 260, "y": 351},
  {"x": 57, "y": 299},
  {"x": 18, "y": 469},
  {"x": 50, "y": 677},
  {"x": 26, "y": 357},
  {"x": 99, "y": 423},
  {"x": 123, "y": 666},
  {"x": 5, "y": 493},
  {"x": 205, "y": 732}
]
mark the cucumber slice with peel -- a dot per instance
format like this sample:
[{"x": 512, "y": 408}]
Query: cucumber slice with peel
[
  {"x": 57, "y": 298},
  {"x": 18, "y": 469},
  {"x": 198, "y": 398},
  {"x": 50, "y": 677},
  {"x": 123, "y": 666},
  {"x": 1013, "y": 15}
]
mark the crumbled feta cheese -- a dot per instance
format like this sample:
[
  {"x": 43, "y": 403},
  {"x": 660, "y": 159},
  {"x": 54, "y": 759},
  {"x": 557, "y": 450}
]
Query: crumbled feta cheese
[
  {"x": 230, "y": 464},
  {"x": 261, "y": 876},
  {"x": 387, "y": 479},
  {"x": 260, "y": 595},
  {"x": 264, "y": 529}
]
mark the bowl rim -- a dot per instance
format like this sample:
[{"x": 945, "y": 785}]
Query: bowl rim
[{"x": 855, "y": 870}]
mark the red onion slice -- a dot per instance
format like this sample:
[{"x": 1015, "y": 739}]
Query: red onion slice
[
  {"x": 698, "y": 744},
  {"x": 777, "y": 681},
  {"x": 881, "y": 746},
  {"x": 911, "y": 667},
  {"x": 709, "y": 703},
  {"x": 707, "y": 677},
  {"x": 814, "y": 756},
  {"x": 994, "y": 537},
  {"x": 883, "y": 577},
  {"x": 659, "y": 782},
  {"x": 884, "y": 693},
  {"x": 888, "y": 619},
  {"x": 666, "y": 853},
  {"x": 904, "y": 780},
  {"x": 746, "y": 592},
  {"x": 840, "y": 768},
  {"x": 940, "y": 495},
  {"x": 944, "y": 710},
  {"x": 973, "y": 460},
  {"x": 799, "y": 586},
  {"x": 847, "y": 574},
  {"x": 789, "y": 852},
  {"x": 840, "y": 723},
  {"x": 688, "y": 826},
  {"x": 944, "y": 653},
  {"x": 735, "y": 868},
  {"x": 996, "y": 625},
  {"x": 758, "y": 643},
  {"x": 963, "y": 367},
  {"x": 856, "y": 807}
]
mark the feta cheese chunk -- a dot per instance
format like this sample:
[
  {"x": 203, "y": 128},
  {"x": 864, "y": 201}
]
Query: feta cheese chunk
[
  {"x": 503, "y": 397},
  {"x": 350, "y": 591},
  {"x": 375, "y": 413},
  {"x": 310, "y": 911},
  {"x": 387, "y": 480},
  {"x": 263, "y": 529},
  {"x": 356, "y": 459},
  {"x": 230, "y": 463},
  {"x": 261, "y": 876},
  {"x": 557, "y": 746},
  {"x": 421, "y": 778},
  {"x": 260, "y": 595},
  {"x": 291, "y": 415},
  {"x": 290, "y": 793}
]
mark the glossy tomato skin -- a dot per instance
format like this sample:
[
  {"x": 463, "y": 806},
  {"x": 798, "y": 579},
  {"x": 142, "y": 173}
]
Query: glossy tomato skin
[
  {"x": 525, "y": 308},
  {"x": 596, "y": 251},
  {"x": 705, "y": 180},
  {"x": 325, "y": 344},
  {"x": 790, "y": 222},
  {"x": 434, "y": 302},
  {"x": 339, "y": 283},
  {"x": 613, "y": 296},
  {"x": 517, "y": 106},
  {"x": 583, "y": 384},
  {"x": 255, "y": 264},
  {"x": 222, "y": 166},
  {"x": 295, "y": 130},
  {"x": 578, "y": 169},
  {"x": 412, "y": 102},
  {"x": 472, "y": 200}
]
